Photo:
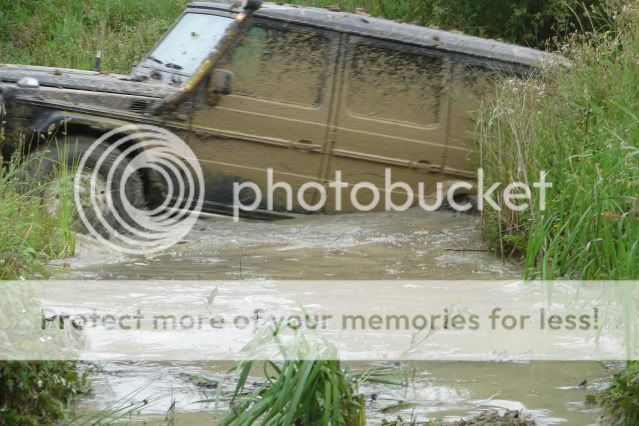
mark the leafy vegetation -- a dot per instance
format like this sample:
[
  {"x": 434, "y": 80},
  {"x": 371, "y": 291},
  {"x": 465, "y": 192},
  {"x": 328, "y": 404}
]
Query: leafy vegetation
[
  {"x": 33, "y": 393},
  {"x": 579, "y": 125},
  {"x": 300, "y": 392},
  {"x": 530, "y": 23},
  {"x": 621, "y": 401},
  {"x": 309, "y": 387},
  {"x": 69, "y": 33},
  {"x": 36, "y": 393},
  {"x": 30, "y": 235}
]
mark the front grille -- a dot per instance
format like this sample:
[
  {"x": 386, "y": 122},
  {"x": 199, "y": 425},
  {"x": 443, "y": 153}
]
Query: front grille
[{"x": 139, "y": 106}]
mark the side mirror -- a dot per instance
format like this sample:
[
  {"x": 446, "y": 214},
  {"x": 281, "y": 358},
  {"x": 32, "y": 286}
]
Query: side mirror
[{"x": 222, "y": 82}]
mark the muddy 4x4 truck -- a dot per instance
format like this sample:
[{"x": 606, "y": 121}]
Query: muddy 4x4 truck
[{"x": 303, "y": 91}]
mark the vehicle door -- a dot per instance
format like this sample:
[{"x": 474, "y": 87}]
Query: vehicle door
[
  {"x": 277, "y": 114},
  {"x": 393, "y": 113}
]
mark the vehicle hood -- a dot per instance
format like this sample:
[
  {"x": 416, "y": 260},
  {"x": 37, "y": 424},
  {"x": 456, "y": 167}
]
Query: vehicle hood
[{"x": 87, "y": 80}]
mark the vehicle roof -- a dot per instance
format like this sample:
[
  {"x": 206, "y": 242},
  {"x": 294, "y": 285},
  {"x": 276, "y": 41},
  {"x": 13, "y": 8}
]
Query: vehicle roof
[{"x": 391, "y": 30}]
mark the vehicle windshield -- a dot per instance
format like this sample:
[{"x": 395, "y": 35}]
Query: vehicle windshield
[{"x": 189, "y": 42}]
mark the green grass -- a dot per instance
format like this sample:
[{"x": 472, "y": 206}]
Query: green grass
[
  {"x": 527, "y": 23},
  {"x": 68, "y": 33},
  {"x": 621, "y": 401},
  {"x": 299, "y": 392},
  {"x": 309, "y": 387},
  {"x": 580, "y": 124},
  {"x": 30, "y": 235}
]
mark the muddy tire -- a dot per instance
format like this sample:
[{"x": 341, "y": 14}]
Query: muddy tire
[{"x": 53, "y": 168}]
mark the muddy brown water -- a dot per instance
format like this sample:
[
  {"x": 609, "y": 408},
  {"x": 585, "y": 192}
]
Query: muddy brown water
[{"x": 410, "y": 245}]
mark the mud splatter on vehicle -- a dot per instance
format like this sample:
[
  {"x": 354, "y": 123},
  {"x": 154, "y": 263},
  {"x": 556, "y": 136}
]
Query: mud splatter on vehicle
[{"x": 305, "y": 92}]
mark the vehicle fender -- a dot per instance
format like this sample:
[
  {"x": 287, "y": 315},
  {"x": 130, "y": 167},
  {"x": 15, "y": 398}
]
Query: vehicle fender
[
  {"x": 59, "y": 121},
  {"x": 71, "y": 123}
]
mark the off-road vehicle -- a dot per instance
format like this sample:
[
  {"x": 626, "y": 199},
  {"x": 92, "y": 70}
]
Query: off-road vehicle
[{"x": 303, "y": 91}]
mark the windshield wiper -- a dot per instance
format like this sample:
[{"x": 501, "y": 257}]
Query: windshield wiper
[{"x": 154, "y": 59}]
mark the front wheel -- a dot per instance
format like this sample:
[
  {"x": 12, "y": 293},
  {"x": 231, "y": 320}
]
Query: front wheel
[{"x": 106, "y": 208}]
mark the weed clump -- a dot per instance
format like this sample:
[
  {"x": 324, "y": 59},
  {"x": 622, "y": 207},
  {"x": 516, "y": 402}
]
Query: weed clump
[
  {"x": 579, "y": 125},
  {"x": 308, "y": 387},
  {"x": 36, "y": 393},
  {"x": 621, "y": 401},
  {"x": 30, "y": 234}
]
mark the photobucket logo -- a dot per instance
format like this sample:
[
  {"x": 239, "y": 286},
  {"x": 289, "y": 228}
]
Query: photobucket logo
[
  {"x": 516, "y": 196},
  {"x": 121, "y": 171}
]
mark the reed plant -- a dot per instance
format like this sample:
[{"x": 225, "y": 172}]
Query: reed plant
[
  {"x": 579, "y": 125},
  {"x": 308, "y": 387},
  {"x": 32, "y": 233}
]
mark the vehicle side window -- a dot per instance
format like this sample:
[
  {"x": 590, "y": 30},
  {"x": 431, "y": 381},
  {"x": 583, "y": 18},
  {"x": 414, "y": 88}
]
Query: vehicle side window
[
  {"x": 281, "y": 65},
  {"x": 395, "y": 85}
]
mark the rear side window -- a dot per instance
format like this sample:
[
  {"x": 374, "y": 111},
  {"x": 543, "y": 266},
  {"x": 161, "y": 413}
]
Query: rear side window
[
  {"x": 395, "y": 85},
  {"x": 282, "y": 65}
]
